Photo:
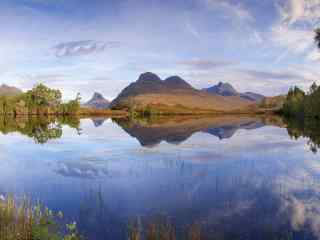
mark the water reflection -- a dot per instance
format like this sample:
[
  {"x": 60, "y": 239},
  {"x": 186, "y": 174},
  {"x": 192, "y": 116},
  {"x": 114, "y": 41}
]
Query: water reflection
[
  {"x": 41, "y": 129},
  {"x": 175, "y": 130},
  {"x": 216, "y": 205},
  {"x": 98, "y": 121},
  {"x": 255, "y": 184},
  {"x": 150, "y": 132},
  {"x": 307, "y": 128}
]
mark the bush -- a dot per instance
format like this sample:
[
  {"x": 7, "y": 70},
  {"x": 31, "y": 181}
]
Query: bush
[{"x": 40, "y": 100}]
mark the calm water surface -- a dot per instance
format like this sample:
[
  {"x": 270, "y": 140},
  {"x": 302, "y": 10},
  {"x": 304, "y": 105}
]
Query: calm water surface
[{"x": 234, "y": 178}]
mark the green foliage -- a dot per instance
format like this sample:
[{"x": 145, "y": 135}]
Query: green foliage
[
  {"x": 312, "y": 102},
  {"x": 317, "y": 37},
  {"x": 72, "y": 232},
  {"x": 42, "y": 96},
  {"x": 302, "y": 114},
  {"x": 301, "y": 105},
  {"x": 40, "y": 100},
  {"x": 294, "y": 103},
  {"x": 26, "y": 222}
]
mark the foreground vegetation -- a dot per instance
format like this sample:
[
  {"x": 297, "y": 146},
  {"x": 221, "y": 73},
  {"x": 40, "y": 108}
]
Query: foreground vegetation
[
  {"x": 299, "y": 104},
  {"x": 40, "y": 100},
  {"x": 306, "y": 128},
  {"x": 301, "y": 112},
  {"x": 26, "y": 222}
]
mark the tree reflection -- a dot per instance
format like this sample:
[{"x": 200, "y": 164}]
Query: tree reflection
[
  {"x": 308, "y": 128},
  {"x": 41, "y": 129}
]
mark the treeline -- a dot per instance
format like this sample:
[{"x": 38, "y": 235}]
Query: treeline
[
  {"x": 299, "y": 104},
  {"x": 40, "y": 100}
]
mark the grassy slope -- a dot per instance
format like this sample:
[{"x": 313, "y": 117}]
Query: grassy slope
[
  {"x": 181, "y": 101},
  {"x": 9, "y": 91},
  {"x": 101, "y": 112}
]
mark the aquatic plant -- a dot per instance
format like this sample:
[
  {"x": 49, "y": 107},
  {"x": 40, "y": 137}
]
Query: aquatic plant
[{"x": 24, "y": 221}]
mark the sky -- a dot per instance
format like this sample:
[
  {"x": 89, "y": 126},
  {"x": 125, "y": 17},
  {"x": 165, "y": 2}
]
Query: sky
[{"x": 265, "y": 46}]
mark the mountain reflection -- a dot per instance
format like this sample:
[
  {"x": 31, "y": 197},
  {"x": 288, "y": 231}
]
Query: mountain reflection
[
  {"x": 175, "y": 130},
  {"x": 98, "y": 121}
]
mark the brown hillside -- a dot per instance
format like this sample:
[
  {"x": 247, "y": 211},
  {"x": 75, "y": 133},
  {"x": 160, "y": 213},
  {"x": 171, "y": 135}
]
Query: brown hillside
[
  {"x": 6, "y": 90},
  {"x": 174, "y": 95}
]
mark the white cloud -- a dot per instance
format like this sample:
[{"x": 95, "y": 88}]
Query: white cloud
[
  {"x": 294, "y": 30},
  {"x": 294, "y": 11},
  {"x": 236, "y": 10}
]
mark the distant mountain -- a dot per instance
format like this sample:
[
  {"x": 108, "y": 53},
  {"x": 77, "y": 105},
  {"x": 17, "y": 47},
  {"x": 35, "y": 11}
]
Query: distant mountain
[
  {"x": 6, "y": 90},
  {"x": 174, "y": 95},
  {"x": 97, "y": 101},
  {"x": 226, "y": 89},
  {"x": 252, "y": 96},
  {"x": 223, "y": 89}
]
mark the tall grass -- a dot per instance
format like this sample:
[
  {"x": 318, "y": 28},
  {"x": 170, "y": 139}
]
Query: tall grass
[
  {"x": 23, "y": 221},
  {"x": 162, "y": 231}
]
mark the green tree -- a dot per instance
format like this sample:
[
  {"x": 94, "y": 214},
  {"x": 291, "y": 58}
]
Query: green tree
[
  {"x": 312, "y": 102},
  {"x": 72, "y": 107},
  {"x": 294, "y": 104},
  {"x": 41, "y": 95},
  {"x": 317, "y": 37}
]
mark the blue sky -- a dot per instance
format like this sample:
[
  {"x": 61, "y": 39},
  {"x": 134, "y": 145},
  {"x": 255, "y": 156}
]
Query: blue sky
[{"x": 82, "y": 46}]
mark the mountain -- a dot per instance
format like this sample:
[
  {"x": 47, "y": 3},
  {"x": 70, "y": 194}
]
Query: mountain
[
  {"x": 6, "y": 90},
  {"x": 226, "y": 89},
  {"x": 255, "y": 97},
  {"x": 223, "y": 89},
  {"x": 97, "y": 101},
  {"x": 174, "y": 95},
  {"x": 176, "y": 82}
]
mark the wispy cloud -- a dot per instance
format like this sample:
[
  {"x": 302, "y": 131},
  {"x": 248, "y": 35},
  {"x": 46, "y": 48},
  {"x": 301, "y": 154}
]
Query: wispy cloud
[
  {"x": 294, "y": 30},
  {"x": 78, "y": 48},
  {"x": 235, "y": 10},
  {"x": 205, "y": 41},
  {"x": 203, "y": 64},
  {"x": 272, "y": 75}
]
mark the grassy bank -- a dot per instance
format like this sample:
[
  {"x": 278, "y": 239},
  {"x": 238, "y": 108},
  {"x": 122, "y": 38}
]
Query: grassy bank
[
  {"x": 23, "y": 221},
  {"x": 94, "y": 112},
  {"x": 154, "y": 110}
]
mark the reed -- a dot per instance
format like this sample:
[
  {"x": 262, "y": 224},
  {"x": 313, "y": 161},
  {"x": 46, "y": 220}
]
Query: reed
[{"x": 24, "y": 221}]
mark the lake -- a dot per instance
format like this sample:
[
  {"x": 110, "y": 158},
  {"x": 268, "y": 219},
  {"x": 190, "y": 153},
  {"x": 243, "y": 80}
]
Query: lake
[{"x": 228, "y": 177}]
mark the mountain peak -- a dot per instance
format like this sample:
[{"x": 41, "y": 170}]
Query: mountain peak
[
  {"x": 97, "y": 95},
  {"x": 97, "y": 101},
  {"x": 177, "y": 82},
  {"x": 148, "y": 77},
  {"x": 224, "y": 89}
]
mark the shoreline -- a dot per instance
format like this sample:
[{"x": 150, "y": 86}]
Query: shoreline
[{"x": 123, "y": 113}]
